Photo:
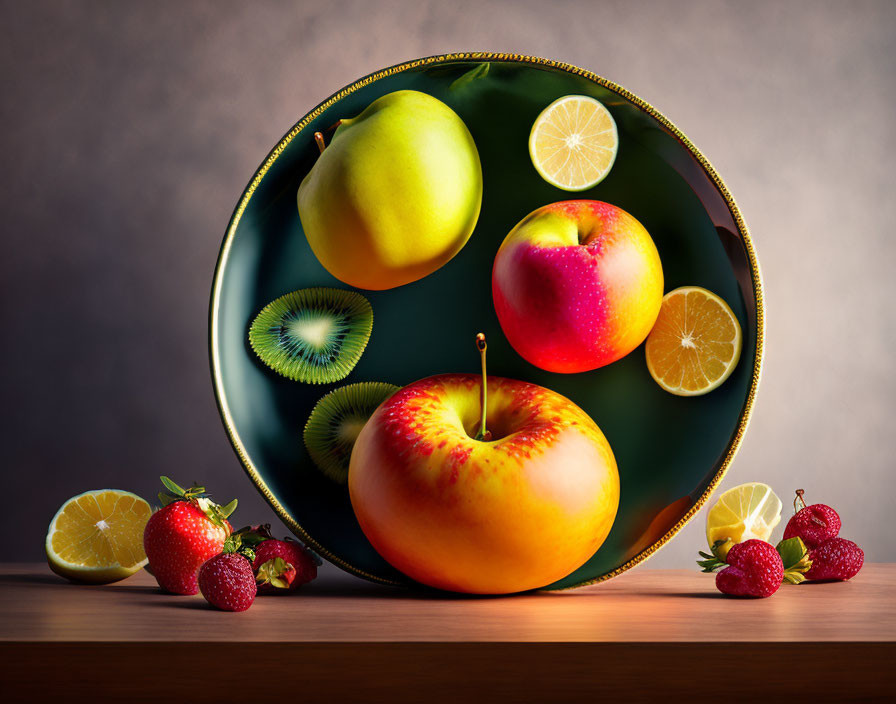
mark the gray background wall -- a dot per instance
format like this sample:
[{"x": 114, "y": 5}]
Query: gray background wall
[{"x": 130, "y": 129}]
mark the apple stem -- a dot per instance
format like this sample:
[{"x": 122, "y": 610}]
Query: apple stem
[
  {"x": 483, "y": 433},
  {"x": 799, "y": 503},
  {"x": 319, "y": 139}
]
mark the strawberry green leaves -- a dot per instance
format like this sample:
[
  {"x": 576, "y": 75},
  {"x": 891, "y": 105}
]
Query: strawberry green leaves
[
  {"x": 176, "y": 491},
  {"x": 253, "y": 535},
  {"x": 237, "y": 543},
  {"x": 197, "y": 495},
  {"x": 245, "y": 540},
  {"x": 795, "y": 556},
  {"x": 715, "y": 561},
  {"x": 228, "y": 508}
]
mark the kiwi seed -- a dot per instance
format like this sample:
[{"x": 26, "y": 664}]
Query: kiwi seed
[
  {"x": 315, "y": 335},
  {"x": 336, "y": 421}
]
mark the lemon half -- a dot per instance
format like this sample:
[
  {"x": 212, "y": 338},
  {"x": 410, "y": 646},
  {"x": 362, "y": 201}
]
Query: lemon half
[
  {"x": 744, "y": 512},
  {"x": 97, "y": 536}
]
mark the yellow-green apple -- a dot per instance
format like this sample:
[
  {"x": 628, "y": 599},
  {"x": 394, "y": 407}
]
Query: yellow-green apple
[
  {"x": 514, "y": 508},
  {"x": 577, "y": 285},
  {"x": 395, "y": 195}
]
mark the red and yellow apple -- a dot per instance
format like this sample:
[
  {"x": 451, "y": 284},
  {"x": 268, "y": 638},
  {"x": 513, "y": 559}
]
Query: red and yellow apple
[
  {"x": 577, "y": 285},
  {"x": 515, "y": 511}
]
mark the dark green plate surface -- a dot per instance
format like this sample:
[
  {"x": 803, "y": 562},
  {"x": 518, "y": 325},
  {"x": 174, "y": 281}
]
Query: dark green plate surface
[{"x": 671, "y": 451}]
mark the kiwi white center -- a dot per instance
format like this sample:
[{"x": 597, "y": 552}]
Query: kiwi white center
[
  {"x": 316, "y": 331},
  {"x": 350, "y": 428}
]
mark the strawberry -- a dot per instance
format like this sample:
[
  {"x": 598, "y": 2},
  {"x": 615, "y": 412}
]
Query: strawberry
[
  {"x": 279, "y": 565},
  {"x": 227, "y": 581},
  {"x": 835, "y": 559},
  {"x": 282, "y": 565},
  {"x": 754, "y": 569},
  {"x": 188, "y": 530},
  {"x": 814, "y": 524}
]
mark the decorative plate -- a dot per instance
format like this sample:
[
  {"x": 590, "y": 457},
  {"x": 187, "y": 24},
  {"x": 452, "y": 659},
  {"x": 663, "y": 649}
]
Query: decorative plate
[{"x": 671, "y": 451}]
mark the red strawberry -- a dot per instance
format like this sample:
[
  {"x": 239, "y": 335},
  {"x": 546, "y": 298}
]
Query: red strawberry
[
  {"x": 227, "y": 582},
  {"x": 814, "y": 524},
  {"x": 282, "y": 565},
  {"x": 184, "y": 533},
  {"x": 835, "y": 559},
  {"x": 754, "y": 569}
]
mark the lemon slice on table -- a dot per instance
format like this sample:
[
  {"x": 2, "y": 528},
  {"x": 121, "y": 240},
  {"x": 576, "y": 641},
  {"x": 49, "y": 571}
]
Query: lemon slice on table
[
  {"x": 573, "y": 143},
  {"x": 97, "y": 536},
  {"x": 744, "y": 512},
  {"x": 695, "y": 343}
]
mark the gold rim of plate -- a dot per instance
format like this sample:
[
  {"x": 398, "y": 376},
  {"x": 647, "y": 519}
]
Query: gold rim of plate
[{"x": 755, "y": 275}]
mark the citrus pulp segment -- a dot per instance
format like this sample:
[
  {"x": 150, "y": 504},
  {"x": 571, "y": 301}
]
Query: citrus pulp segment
[
  {"x": 695, "y": 343},
  {"x": 97, "y": 536},
  {"x": 573, "y": 143},
  {"x": 744, "y": 512}
]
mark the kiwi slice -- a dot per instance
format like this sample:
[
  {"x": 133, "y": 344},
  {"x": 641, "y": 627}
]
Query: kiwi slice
[
  {"x": 315, "y": 335},
  {"x": 336, "y": 421}
]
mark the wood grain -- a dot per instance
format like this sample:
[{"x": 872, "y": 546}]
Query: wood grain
[{"x": 645, "y": 634}]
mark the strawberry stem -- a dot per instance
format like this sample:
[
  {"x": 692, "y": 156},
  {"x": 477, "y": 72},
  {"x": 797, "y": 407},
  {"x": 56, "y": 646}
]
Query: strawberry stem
[{"x": 798, "y": 503}]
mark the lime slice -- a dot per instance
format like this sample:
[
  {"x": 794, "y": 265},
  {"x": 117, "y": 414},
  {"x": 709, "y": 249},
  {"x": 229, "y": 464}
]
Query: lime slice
[
  {"x": 695, "y": 343},
  {"x": 97, "y": 536},
  {"x": 744, "y": 512},
  {"x": 573, "y": 143}
]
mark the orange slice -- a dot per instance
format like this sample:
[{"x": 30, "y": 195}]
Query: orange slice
[
  {"x": 695, "y": 344},
  {"x": 97, "y": 536},
  {"x": 573, "y": 143}
]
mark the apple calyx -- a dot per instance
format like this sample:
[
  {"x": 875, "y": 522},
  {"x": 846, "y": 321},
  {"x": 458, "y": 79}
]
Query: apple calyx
[{"x": 484, "y": 434}]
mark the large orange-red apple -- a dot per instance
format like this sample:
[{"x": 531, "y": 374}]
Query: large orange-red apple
[
  {"x": 577, "y": 285},
  {"x": 512, "y": 513}
]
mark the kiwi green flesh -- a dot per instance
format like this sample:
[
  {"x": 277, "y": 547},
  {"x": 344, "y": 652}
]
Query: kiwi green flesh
[
  {"x": 336, "y": 421},
  {"x": 314, "y": 335}
]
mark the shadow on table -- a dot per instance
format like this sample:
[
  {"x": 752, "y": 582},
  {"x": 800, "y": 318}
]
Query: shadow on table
[
  {"x": 358, "y": 589},
  {"x": 697, "y": 595},
  {"x": 31, "y": 579},
  {"x": 52, "y": 580},
  {"x": 332, "y": 586}
]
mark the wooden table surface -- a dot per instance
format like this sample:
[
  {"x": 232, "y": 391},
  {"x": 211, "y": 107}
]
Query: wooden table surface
[{"x": 646, "y": 632}]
